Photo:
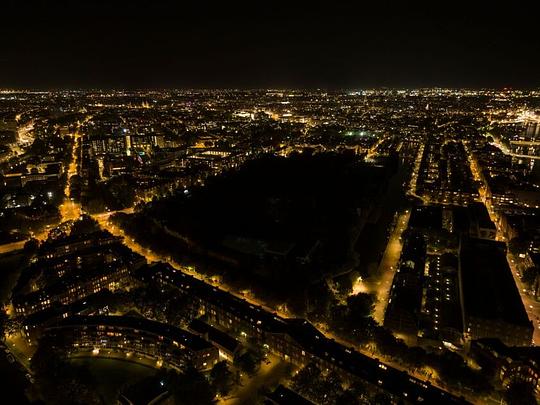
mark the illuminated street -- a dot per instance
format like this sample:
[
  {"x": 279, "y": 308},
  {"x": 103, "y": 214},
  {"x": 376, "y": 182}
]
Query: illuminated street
[
  {"x": 19, "y": 348},
  {"x": 532, "y": 306},
  {"x": 414, "y": 176},
  {"x": 69, "y": 209},
  {"x": 381, "y": 283},
  {"x": 270, "y": 373},
  {"x": 9, "y": 247}
]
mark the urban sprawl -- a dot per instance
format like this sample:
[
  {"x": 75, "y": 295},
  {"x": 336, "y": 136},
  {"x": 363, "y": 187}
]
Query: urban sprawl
[{"x": 273, "y": 246}]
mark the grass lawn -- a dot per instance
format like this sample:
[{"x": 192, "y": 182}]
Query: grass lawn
[{"x": 112, "y": 374}]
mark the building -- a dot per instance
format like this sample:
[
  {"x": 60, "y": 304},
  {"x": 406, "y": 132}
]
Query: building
[
  {"x": 473, "y": 221},
  {"x": 75, "y": 243},
  {"x": 72, "y": 268},
  {"x": 441, "y": 319},
  {"x": 405, "y": 300},
  {"x": 480, "y": 224},
  {"x": 294, "y": 340},
  {"x": 115, "y": 145},
  {"x": 228, "y": 346},
  {"x": 73, "y": 288},
  {"x": 33, "y": 325},
  {"x": 491, "y": 303},
  {"x": 165, "y": 344}
]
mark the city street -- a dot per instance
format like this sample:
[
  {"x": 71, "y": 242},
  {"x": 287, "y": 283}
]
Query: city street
[
  {"x": 414, "y": 176},
  {"x": 269, "y": 374},
  {"x": 19, "y": 348},
  {"x": 69, "y": 209},
  {"x": 381, "y": 282},
  {"x": 532, "y": 306},
  {"x": 10, "y": 247}
]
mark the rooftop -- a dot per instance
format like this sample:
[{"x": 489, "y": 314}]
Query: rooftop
[{"x": 488, "y": 286}]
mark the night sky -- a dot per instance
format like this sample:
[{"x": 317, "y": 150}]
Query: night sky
[{"x": 333, "y": 45}]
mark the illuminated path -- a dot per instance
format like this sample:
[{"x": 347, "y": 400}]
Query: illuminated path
[
  {"x": 69, "y": 209},
  {"x": 9, "y": 247},
  {"x": 387, "y": 268},
  {"x": 268, "y": 375}
]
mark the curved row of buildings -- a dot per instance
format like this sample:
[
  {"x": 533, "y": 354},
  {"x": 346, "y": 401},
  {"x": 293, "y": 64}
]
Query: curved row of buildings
[{"x": 165, "y": 344}]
